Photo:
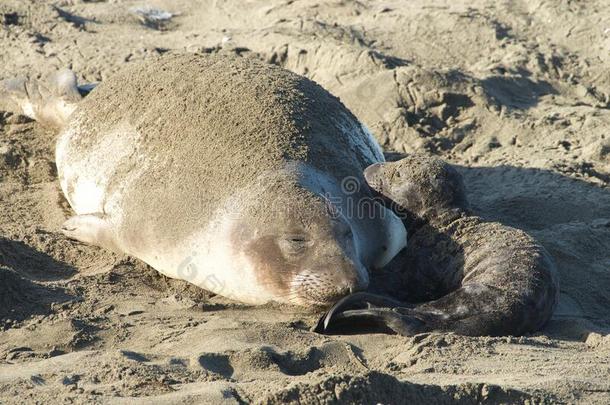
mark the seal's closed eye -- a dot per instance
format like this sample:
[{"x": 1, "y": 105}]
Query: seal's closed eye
[{"x": 294, "y": 244}]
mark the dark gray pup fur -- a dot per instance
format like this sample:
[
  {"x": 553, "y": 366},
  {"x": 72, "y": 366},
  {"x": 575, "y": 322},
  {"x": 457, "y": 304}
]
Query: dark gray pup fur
[{"x": 458, "y": 272}]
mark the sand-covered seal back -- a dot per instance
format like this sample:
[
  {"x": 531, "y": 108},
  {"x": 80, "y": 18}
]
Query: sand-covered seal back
[{"x": 216, "y": 121}]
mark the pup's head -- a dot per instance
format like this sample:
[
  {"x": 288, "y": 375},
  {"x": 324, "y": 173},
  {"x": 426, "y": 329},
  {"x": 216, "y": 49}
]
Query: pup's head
[{"x": 418, "y": 184}]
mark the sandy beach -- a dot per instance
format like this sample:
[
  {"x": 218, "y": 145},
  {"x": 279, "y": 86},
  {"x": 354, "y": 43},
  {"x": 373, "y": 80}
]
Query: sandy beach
[{"x": 516, "y": 94}]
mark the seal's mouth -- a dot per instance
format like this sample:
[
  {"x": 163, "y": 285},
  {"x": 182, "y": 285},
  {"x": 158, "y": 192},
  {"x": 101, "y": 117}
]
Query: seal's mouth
[
  {"x": 324, "y": 302},
  {"x": 316, "y": 290},
  {"x": 319, "y": 299}
]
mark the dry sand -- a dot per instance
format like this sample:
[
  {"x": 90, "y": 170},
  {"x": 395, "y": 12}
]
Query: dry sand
[{"x": 517, "y": 93}]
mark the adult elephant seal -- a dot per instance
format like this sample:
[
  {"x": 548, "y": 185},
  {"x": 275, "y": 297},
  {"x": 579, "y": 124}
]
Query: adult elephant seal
[
  {"x": 459, "y": 273},
  {"x": 235, "y": 175}
]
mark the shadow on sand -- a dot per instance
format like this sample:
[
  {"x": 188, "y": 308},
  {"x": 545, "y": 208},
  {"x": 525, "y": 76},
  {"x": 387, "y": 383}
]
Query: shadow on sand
[{"x": 25, "y": 289}]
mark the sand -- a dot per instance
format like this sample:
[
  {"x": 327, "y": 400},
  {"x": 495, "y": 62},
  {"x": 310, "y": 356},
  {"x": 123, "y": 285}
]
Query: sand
[{"x": 516, "y": 94}]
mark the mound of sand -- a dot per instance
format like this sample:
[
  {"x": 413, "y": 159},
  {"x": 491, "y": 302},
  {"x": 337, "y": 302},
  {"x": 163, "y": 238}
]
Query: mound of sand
[{"x": 517, "y": 95}]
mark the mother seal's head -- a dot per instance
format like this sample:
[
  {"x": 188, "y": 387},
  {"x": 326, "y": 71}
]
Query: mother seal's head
[{"x": 298, "y": 239}]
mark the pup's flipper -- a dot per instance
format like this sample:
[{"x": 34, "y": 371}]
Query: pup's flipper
[{"x": 363, "y": 311}]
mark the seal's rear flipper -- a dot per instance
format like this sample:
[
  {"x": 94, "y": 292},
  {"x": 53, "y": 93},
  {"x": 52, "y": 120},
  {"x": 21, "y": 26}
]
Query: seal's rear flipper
[
  {"x": 12, "y": 93},
  {"x": 49, "y": 101}
]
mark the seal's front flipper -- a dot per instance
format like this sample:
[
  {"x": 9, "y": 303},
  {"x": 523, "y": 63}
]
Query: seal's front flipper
[
  {"x": 94, "y": 229},
  {"x": 49, "y": 101},
  {"x": 365, "y": 312}
]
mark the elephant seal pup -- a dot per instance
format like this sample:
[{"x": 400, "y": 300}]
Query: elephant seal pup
[
  {"x": 222, "y": 171},
  {"x": 478, "y": 278}
]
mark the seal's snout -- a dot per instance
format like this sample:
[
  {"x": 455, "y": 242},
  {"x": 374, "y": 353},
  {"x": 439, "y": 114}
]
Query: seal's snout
[
  {"x": 358, "y": 282},
  {"x": 326, "y": 286},
  {"x": 347, "y": 276},
  {"x": 351, "y": 284}
]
